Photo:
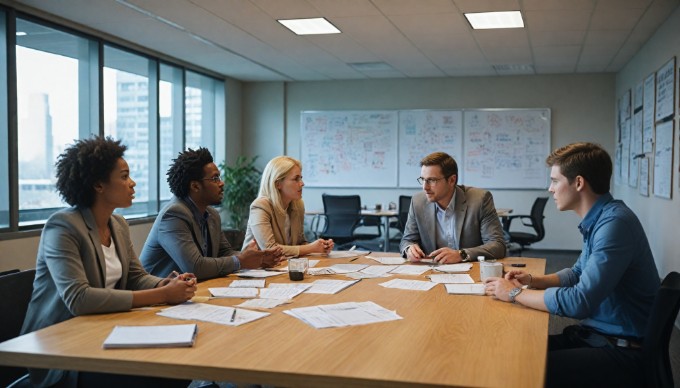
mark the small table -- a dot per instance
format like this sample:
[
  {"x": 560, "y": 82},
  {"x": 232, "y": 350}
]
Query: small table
[{"x": 385, "y": 215}]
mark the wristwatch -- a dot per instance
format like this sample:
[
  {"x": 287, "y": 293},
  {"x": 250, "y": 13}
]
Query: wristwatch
[
  {"x": 464, "y": 257},
  {"x": 514, "y": 292}
]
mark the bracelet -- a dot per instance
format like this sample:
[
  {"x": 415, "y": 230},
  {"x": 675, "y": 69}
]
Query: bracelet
[{"x": 531, "y": 278}]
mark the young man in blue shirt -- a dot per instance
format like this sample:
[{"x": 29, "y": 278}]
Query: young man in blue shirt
[{"x": 611, "y": 287}]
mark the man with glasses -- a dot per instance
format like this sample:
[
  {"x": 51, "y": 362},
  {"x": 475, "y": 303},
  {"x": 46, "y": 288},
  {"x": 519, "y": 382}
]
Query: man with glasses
[
  {"x": 187, "y": 234},
  {"x": 448, "y": 223}
]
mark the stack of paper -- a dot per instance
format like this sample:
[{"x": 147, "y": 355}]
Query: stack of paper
[
  {"x": 151, "y": 336},
  {"x": 210, "y": 313},
  {"x": 254, "y": 283},
  {"x": 343, "y": 314}
]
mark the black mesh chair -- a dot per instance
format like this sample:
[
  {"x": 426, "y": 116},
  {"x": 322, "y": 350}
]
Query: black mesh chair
[
  {"x": 533, "y": 220},
  {"x": 16, "y": 289},
  {"x": 342, "y": 214},
  {"x": 658, "y": 372},
  {"x": 404, "y": 205}
]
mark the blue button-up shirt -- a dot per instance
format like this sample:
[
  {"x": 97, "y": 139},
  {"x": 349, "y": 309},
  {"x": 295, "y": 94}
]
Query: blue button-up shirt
[{"x": 614, "y": 281}]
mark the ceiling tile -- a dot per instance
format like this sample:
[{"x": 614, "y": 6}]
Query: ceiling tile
[
  {"x": 487, "y": 5},
  {"x": 557, "y": 55},
  {"x": 410, "y": 7},
  {"x": 615, "y": 19},
  {"x": 568, "y": 20},
  {"x": 345, "y": 8},
  {"x": 556, "y": 38},
  {"x": 557, "y": 5}
]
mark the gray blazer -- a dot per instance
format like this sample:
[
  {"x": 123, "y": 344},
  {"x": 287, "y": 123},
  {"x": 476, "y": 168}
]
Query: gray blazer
[
  {"x": 70, "y": 276},
  {"x": 479, "y": 230},
  {"x": 175, "y": 240}
]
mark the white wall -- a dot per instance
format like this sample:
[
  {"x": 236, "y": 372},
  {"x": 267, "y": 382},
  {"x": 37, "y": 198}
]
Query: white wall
[
  {"x": 582, "y": 108},
  {"x": 659, "y": 216}
]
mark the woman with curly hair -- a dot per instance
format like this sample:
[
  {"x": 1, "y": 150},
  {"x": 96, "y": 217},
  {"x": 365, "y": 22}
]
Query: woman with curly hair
[
  {"x": 86, "y": 263},
  {"x": 277, "y": 214}
]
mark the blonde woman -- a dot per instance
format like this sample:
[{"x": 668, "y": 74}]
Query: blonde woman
[{"x": 277, "y": 215}]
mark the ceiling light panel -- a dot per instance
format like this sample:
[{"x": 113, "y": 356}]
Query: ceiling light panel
[
  {"x": 493, "y": 20},
  {"x": 314, "y": 26}
]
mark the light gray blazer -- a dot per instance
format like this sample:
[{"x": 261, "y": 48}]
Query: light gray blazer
[
  {"x": 479, "y": 230},
  {"x": 175, "y": 240},
  {"x": 268, "y": 227},
  {"x": 70, "y": 276}
]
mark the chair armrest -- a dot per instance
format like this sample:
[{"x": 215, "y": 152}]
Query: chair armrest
[
  {"x": 314, "y": 225},
  {"x": 522, "y": 217}
]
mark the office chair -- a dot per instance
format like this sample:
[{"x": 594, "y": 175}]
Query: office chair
[
  {"x": 658, "y": 372},
  {"x": 16, "y": 289},
  {"x": 402, "y": 216},
  {"x": 533, "y": 220},
  {"x": 342, "y": 215}
]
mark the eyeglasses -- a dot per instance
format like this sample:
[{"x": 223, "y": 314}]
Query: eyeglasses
[
  {"x": 429, "y": 181},
  {"x": 215, "y": 179}
]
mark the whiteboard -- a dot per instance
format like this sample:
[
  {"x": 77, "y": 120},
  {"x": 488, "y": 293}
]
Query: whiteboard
[
  {"x": 349, "y": 148},
  {"x": 506, "y": 148},
  {"x": 422, "y": 132}
]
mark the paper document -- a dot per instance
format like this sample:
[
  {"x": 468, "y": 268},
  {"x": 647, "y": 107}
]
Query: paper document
[
  {"x": 233, "y": 292},
  {"x": 257, "y": 283},
  {"x": 280, "y": 293},
  {"x": 411, "y": 269},
  {"x": 458, "y": 267},
  {"x": 451, "y": 278},
  {"x": 151, "y": 336},
  {"x": 257, "y": 273},
  {"x": 329, "y": 286},
  {"x": 340, "y": 254},
  {"x": 229, "y": 316},
  {"x": 404, "y": 284},
  {"x": 379, "y": 270},
  {"x": 347, "y": 268},
  {"x": 263, "y": 303},
  {"x": 466, "y": 289},
  {"x": 390, "y": 260},
  {"x": 343, "y": 314}
]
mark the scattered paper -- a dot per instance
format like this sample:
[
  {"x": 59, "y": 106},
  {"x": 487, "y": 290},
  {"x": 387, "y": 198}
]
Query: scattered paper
[
  {"x": 340, "y": 254},
  {"x": 389, "y": 260},
  {"x": 280, "y": 293},
  {"x": 263, "y": 303},
  {"x": 329, "y": 286},
  {"x": 458, "y": 267},
  {"x": 347, "y": 268},
  {"x": 320, "y": 271},
  {"x": 257, "y": 283},
  {"x": 211, "y": 313},
  {"x": 233, "y": 292},
  {"x": 379, "y": 270},
  {"x": 451, "y": 278},
  {"x": 467, "y": 289},
  {"x": 414, "y": 285},
  {"x": 410, "y": 269},
  {"x": 343, "y": 314},
  {"x": 257, "y": 273}
]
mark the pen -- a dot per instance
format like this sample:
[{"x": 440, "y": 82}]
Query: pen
[
  {"x": 233, "y": 316},
  {"x": 353, "y": 247},
  {"x": 354, "y": 258}
]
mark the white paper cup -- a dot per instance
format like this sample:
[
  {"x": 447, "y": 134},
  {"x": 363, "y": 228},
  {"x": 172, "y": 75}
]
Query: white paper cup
[{"x": 490, "y": 270}]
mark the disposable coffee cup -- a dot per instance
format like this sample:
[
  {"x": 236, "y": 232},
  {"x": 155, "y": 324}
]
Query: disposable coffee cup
[
  {"x": 297, "y": 268},
  {"x": 490, "y": 270}
]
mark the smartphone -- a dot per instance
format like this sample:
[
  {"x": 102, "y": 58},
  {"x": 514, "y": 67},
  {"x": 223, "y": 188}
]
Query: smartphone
[{"x": 518, "y": 265}]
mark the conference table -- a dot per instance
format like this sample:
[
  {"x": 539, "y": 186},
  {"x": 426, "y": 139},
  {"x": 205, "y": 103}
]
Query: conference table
[{"x": 442, "y": 340}]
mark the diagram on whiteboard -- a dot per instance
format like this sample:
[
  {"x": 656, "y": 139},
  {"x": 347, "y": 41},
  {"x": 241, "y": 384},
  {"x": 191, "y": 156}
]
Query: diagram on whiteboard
[
  {"x": 506, "y": 148},
  {"x": 349, "y": 149},
  {"x": 424, "y": 132}
]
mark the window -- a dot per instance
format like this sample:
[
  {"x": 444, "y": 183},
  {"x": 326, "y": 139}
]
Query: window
[
  {"x": 203, "y": 100},
  {"x": 129, "y": 117},
  {"x": 59, "y": 100},
  {"x": 51, "y": 90},
  {"x": 4, "y": 133},
  {"x": 171, "y": 112}
]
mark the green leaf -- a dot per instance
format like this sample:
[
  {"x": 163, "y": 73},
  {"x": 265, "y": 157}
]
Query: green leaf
[{"x": 241, "y": 185}]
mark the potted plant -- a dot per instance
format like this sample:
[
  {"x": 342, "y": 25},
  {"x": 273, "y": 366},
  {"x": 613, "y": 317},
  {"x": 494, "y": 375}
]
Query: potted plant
[{"x": 241, "y": 185}]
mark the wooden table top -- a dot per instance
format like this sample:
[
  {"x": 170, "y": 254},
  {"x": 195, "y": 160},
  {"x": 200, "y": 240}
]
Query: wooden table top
[{"x": 442, "y": 340}]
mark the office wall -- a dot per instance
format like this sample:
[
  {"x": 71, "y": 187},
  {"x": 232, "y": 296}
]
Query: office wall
[
  {"x": 659, "y": 216},
  {"x": 582, "y": 109}
]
